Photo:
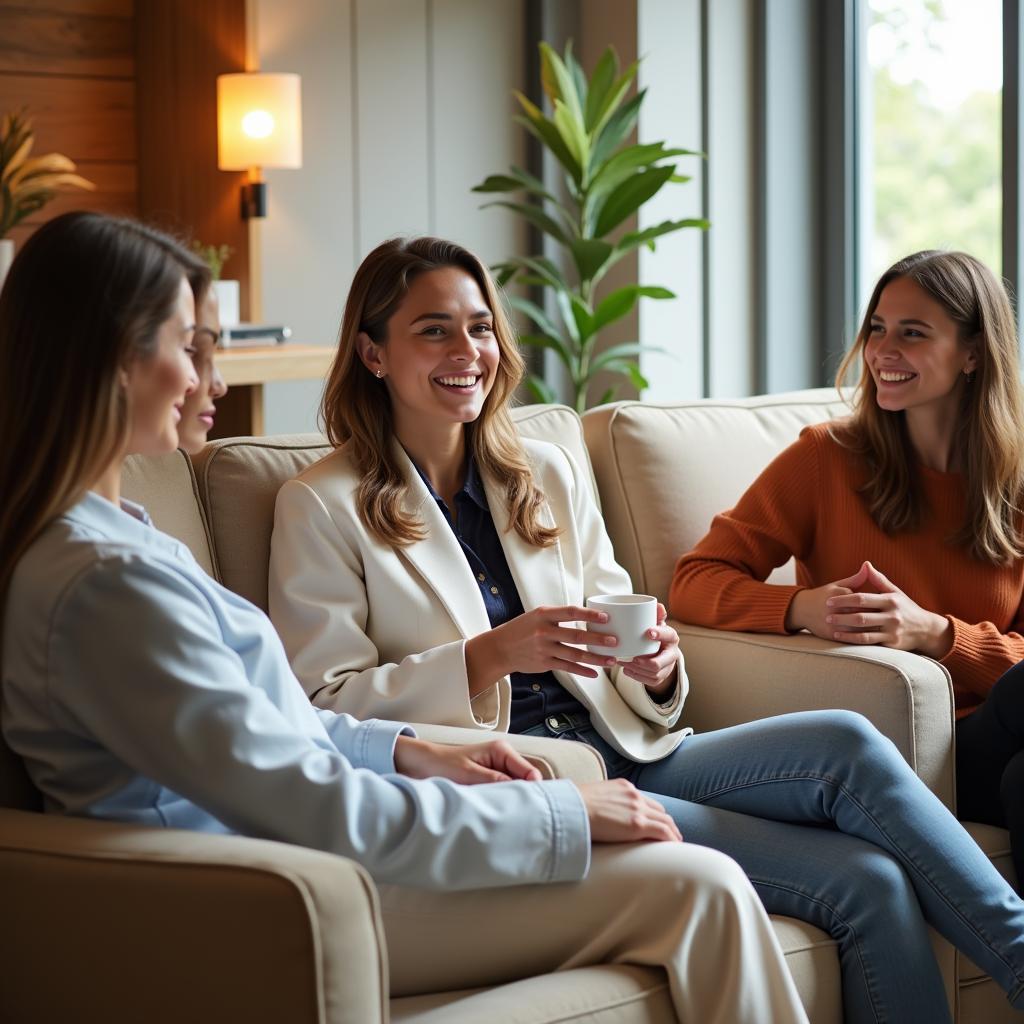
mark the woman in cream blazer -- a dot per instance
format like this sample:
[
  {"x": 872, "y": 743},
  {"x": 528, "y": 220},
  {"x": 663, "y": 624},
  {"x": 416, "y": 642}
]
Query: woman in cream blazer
[{"x": 435, "y": 567}]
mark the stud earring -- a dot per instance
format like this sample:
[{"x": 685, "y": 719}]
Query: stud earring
[{"x": 380, "y": 373}]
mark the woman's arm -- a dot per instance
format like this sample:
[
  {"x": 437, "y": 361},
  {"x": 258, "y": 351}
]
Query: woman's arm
[
  {"x": 319, "y": 605},
  {"x": 139, "y": 667},
  {"x": 720, "y": 583},
  {"x": 661, "y": 701}
]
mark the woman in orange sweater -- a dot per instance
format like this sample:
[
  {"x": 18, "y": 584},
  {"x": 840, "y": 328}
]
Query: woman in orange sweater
[{"x": 904, "y": 519}]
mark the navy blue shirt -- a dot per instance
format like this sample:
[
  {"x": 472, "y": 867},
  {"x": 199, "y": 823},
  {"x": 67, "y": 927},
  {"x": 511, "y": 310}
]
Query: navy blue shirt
[{"x": 535, "y": 695}]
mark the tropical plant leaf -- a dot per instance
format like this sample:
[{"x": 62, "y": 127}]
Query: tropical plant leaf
[
  {"x": 546, "y": 269},
  {"x": 552, "y": 344},
  {"x": 573, "y": 135},
  {"x": 646, "y": 236},
  {"x": 607, "y": 396},
  {"x": 498, "y": 183},
  {"x": 616, "y": 94},
  {"x": 535, "y": 313},
  {"x": 628, "y": 369},
  {"x": 536, "y": 216},
  {"x": 557, "y": 81},
  {"x": 628, "y": 197},
  {"x": 579, "y": 78},
  {"x": 541, "y": 390},
  {"x": 590, "y": 256},
  {"x": 618, "y": 303},
  {"x": 565, "y": 310},
  {"x": 618, "y": 167},
  {"x": 600, "y": 85},
  {"x": 617, "y": 353},
  {"x": 543, "y": 130},
  {"x": 614, "y": 133}
]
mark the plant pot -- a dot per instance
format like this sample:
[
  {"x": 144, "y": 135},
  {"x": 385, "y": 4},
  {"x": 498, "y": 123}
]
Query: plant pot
[
  {"x": 6, "y": 256},
  {"x": 228, "y": 300}
]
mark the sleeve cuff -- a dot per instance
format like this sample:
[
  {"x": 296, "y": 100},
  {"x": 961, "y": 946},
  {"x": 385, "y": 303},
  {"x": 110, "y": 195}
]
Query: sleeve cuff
[
  {"x": 570, "y": 858},
  {"x": 374, "y": 745}
]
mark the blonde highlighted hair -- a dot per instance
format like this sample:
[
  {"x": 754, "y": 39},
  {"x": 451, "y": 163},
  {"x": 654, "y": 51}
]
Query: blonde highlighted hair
[
  {"x": 989, "y": 438},
  {"x": 356, "y": 409}
]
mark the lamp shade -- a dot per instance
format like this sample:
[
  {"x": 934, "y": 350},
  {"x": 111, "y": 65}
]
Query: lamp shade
[{"x": 259, "y": 121}]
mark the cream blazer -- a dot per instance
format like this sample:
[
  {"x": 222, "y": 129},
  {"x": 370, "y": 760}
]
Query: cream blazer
[{"x": 380, "y": 632}]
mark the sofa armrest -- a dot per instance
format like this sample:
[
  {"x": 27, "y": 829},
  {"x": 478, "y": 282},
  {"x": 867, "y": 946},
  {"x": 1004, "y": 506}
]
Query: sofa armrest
[
  {"x": 740, "y": 677},
  {"x": 104, "y": 921},
  {"x": 555, "y": 759}
]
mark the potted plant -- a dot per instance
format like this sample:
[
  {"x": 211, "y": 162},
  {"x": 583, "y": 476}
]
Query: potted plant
[
  {"x": 27, "y": 183},
  {"x": 215, "y": 256},
  {"x": 607, "y": 179}
]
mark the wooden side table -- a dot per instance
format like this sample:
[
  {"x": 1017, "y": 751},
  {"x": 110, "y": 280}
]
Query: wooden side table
[{"x": 246, "y": 370}]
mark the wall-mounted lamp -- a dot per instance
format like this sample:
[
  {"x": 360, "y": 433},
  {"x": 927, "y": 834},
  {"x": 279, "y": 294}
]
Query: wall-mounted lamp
[{"x": 259, "y": 124}]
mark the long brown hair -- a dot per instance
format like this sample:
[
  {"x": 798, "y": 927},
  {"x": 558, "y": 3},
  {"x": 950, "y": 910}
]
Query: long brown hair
[
  {"x": 356, "y": 408},
  {"x": 84, "y": 297},
  {"x": 989, "y": 438}
]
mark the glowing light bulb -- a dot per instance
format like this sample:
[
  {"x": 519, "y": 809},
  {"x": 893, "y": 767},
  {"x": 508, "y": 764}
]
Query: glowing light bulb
[{"x": 258, "y": 124}]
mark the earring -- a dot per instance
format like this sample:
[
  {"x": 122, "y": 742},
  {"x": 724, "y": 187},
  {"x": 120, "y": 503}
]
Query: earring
[{"x": 380, "y": 373}]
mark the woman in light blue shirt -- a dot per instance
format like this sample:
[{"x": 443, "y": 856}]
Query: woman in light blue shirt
[{"x": 138, "y": 689}]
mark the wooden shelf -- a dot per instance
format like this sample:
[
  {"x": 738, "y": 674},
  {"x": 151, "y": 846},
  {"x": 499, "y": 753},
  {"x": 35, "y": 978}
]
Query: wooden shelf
[{"x": 265, "y": 363}]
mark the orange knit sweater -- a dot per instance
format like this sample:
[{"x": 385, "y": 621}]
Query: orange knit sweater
[{"x": 806, "y": 504}]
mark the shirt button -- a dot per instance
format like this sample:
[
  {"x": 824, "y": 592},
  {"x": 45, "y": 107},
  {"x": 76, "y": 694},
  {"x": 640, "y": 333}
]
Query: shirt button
[
  {"x": 494, "y": 590},
  {"x": 553, "y": 722},
  {"x": 535, "y": 687},
  {"x": 481, "y": 577}
]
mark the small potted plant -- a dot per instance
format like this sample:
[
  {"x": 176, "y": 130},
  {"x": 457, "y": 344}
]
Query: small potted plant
[
  {"x": 27, "y": 183},
  {"x": 215, "y": 256}
]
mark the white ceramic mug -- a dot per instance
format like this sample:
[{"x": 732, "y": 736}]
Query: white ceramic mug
[{"x": 629, "y": 618}]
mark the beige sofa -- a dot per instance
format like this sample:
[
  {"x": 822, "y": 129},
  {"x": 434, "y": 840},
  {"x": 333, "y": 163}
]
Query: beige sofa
[
  {"x": 227, "y": 928},
  {"x": 663, "y": 471}
]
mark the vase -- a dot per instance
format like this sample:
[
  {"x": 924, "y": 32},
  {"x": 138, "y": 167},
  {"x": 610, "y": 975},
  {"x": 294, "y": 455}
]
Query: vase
[
  {"x": 6, "y": 256},
  {"x": 228, "y": 300}
]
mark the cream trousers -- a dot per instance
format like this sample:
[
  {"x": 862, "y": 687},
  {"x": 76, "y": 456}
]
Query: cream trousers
[{"x": 686, "y": 909}]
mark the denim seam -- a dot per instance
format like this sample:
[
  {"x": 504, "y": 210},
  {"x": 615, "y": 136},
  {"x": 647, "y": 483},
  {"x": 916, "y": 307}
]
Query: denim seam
[
  {"x": 835, "y": 915},
  {"x": 905, "y": 857}
]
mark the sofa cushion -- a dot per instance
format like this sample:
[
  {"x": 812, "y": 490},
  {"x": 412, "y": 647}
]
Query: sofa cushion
[
  {"x": 560, "y": 424},
  {"x": 665, "y": 470},
  {"x": 238, "y": 483},
  {"x": 166, "y": 487}
]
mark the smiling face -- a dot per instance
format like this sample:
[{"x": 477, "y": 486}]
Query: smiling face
[
  {"x": 157, "y": 385},
  {"x": 198, "y": 412},
  {"x": 914, "y": 352},
  {"x": 440, "y": 355}
]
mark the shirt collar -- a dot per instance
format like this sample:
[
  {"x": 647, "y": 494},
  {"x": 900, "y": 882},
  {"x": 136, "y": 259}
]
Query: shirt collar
[
  {"x": 473, "y": 487},
  {"x": 97, "y": 512}
]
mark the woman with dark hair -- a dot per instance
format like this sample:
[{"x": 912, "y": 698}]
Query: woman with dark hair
[
  {"x": 436, "y": 565},
  {"x": 138, "y": 689},
  {"x": 199, "y": 410},
  {"x": 905, "y": 518}
]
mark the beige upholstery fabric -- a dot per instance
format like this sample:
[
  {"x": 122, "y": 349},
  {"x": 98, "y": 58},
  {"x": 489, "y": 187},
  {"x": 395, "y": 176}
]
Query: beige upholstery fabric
[
  {"x": 663, "y": 472},
  {"x": 238, "y": 483},
  {"x": 161, "y": 484}
]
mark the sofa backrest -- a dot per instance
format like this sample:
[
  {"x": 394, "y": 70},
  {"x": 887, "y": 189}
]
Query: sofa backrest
[
  {"x": 239, "y": 479},
  {"x": 665, "y": 470}
]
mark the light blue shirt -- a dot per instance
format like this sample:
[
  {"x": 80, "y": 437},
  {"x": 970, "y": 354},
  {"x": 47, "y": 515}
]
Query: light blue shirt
[{"x": 138, "y": 689}]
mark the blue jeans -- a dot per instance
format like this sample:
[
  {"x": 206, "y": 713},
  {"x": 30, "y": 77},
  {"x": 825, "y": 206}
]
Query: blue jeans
[{"x": 834, "y": 828}]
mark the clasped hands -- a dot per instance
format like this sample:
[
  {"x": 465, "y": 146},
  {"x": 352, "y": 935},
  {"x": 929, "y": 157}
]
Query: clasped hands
[{"x": 867, "y": 608}]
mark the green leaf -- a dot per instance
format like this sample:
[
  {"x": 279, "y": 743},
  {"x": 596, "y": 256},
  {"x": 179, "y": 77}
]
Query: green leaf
[
  {"x": 584, "y": 317},
  {"x": 541, "y": 390},
  {"x": 614, "y": 133},
  {"x": 600, "y": 85},
  {"x": 615, "y": 96},
  {"x": 565, "y": 309},
  {"x": 573, "y": 135},
  {"x": 546, "y": 269},
  {"x": 628, "y": 369},
  {"x": 633, "y": 239},
  {"x": 619, "y": 302},
  {"x": 536, "y": 216},
  {"x": 552, "y": 344},
  {"x": 535, "y": 313},
  {"x": 557, "y": 81},
  {"x": 590, "y": 256},
  {"x": 607, "y": 396},
  {"x": 543, "y": 130},
  {"x": 617, "y": 353},
  {"x": 579, "y": 79},
  {"x": 498, "y": 183},
  {"x": 629, "y": 196},
  {"x": 623, "y": 163}
]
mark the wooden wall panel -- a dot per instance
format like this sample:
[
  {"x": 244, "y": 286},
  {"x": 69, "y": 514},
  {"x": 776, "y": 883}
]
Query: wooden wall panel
[
  {"x": 67, "y": 44},
  {"x": 71, "y": 63},
  {"x": 181, "y": 47}
]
